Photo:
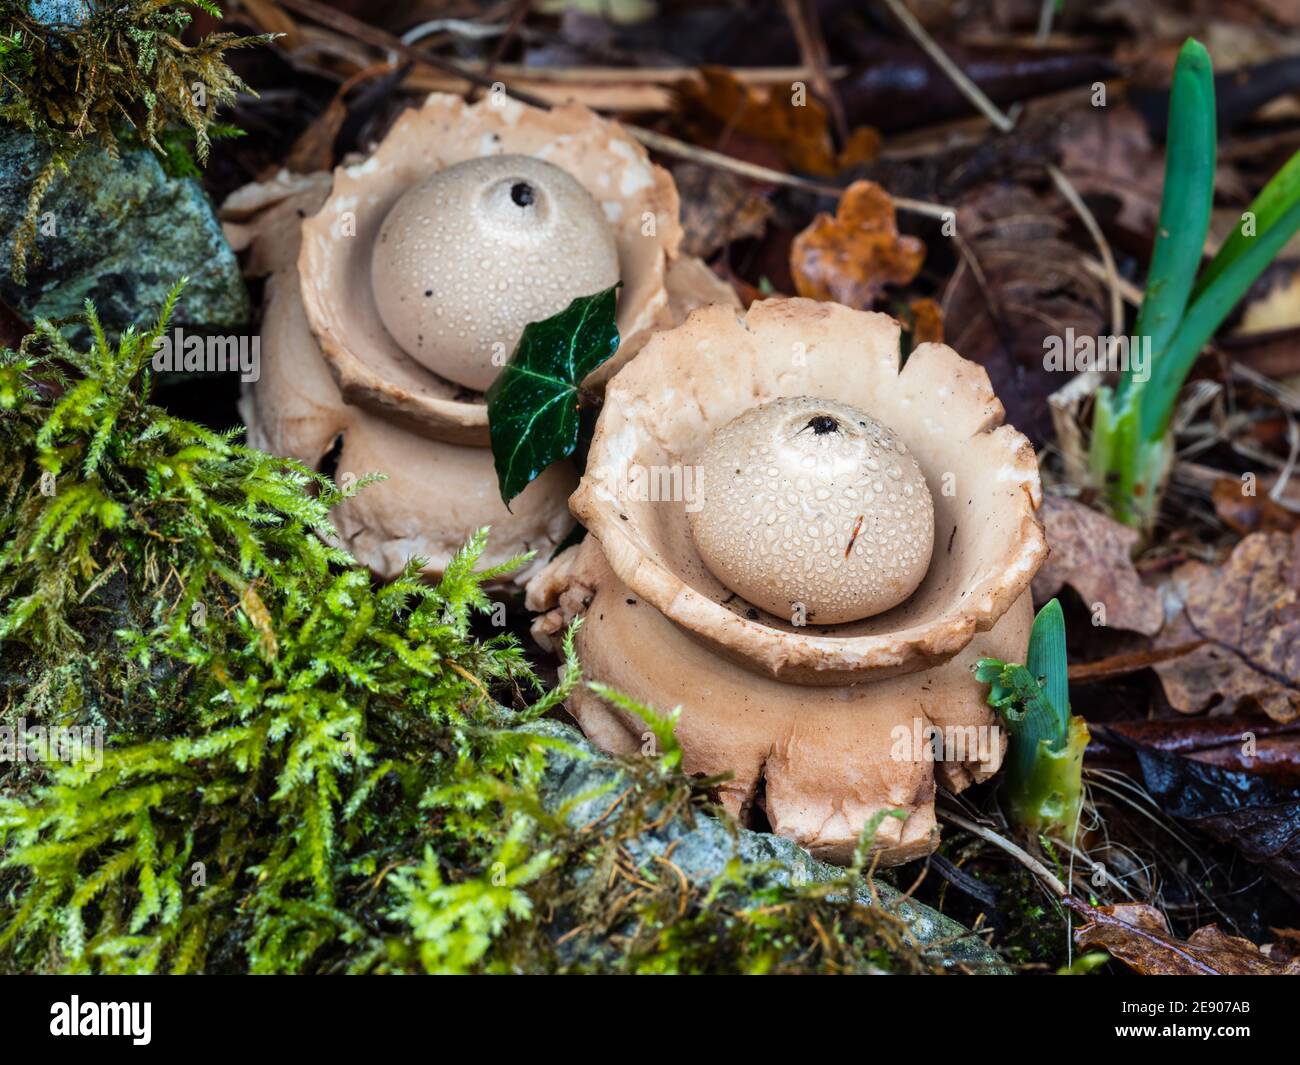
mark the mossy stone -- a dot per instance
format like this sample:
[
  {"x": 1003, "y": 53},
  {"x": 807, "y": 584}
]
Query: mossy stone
[
  {"x": 119, "y": 232},
  {"x": 702, "y": 850}
]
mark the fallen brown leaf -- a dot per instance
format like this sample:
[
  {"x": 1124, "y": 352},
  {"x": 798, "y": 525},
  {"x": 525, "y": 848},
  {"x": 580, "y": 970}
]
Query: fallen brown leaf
[
  {"x": 1265, "y": 339},
  {"x": 314, "y": 149},
  {"x": 1138, "y": 935},
  {"x": 1274, "y": 354},
  {"x": 851, "y": 258},
  {"x": 717, "y": 208},
  {"x": 1234, "y": 778},
  {"x": 1276, "y": 308},
  {"x": 1016, "y": 285},
  {"x": 1251, "y": 513},
  {"x": 1287, "y": 945},
  {"x": 1107, "y": 151},
  {"x": 1284, "y": 11},
  {"x": 1221, "y": 739},
  {"x": 1248, "y": 611},
  {"x": 1093, "y": 554}
]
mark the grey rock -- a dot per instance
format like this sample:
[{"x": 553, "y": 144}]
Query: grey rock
[
  {"x": 703, "y": 850},
  {"x": 123, "y": 232}
]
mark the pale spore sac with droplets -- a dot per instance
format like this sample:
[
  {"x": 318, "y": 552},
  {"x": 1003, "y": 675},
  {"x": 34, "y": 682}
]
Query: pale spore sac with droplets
[
  {"x": 468, "y": 257},
  {"x": 815, "y": 508}
]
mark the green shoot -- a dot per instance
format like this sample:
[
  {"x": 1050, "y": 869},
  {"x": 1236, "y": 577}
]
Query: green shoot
[
  {"x": 1130, "y": 451},
  {"x": 1044, "y": 777}
]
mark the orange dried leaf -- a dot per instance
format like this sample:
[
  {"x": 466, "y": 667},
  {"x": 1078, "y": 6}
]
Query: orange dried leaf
[
  {"x": 797, "y": 128},
  {"x": 927, "y": 321},
  {"x": 851, "y": 258},
  {"x": 863, "y": 146}
]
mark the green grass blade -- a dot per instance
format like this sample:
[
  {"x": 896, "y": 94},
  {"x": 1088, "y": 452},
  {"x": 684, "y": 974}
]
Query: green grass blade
[
  {"x": 1278, "y": 197},
  {"x": 1205, "y": 316},
  {"x": 1185, "y": 203}
]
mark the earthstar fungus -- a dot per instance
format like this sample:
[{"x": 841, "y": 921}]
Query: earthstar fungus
[
  {"x": 398, "y": 285},
  {"x": 822, "y": 723}
]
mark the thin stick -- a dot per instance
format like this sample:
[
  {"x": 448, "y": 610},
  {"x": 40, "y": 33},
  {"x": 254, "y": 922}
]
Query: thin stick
[
  {"x": 968, "y": 88},
  {"x": 1130, "y": 292},
  {"x": 343, "y": 23},
  {"x": 1045, "y": 14},
  {"x": 377, "y": 38},
  {"x": 678, "y": 149},
  {"x": 1072, "y": 196},
  {"x": 655, "y": 77},
  {"x": 812, "y": 49},
  {"x": 483, "y": 692},
  {"x": 1279, "y": 486},
  {"x": 1019, "y": 853},
  {"x": 1122, "y": 665},
  {"x": 1106, "y": 874},
  {"x": 522, "y": 7}
]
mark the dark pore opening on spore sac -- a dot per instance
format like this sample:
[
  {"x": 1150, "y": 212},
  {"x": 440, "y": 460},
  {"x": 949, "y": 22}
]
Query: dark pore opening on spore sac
[
  {"x": 522, "y": 194},
  {"x": 823, "y": 424}
]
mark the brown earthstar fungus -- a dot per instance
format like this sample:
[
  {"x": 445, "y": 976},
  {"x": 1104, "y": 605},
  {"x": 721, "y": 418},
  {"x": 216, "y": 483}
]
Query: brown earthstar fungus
[
  {"x": 398, "y": 286},
  {"x": 853, "y": 700}
]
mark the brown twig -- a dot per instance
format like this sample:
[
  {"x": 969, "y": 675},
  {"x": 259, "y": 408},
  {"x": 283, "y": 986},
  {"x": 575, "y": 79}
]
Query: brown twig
[
  {"x": 1019, "y": 853},
  {"x": 1121, "y": 665},
  {"x": 377, "y": 38},
  {"x": 671, "y": 146},
  {"x": 1072, "y": 197},
  {"x": 968, "y": 88},
  {"x": 517, "y": 16},
  {"x": 678, "y": 149},
  {"x": 813, "y": 51}
]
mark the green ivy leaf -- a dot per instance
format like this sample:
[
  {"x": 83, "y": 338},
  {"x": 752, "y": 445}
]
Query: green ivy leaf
[{"x": 533, "y": 405}]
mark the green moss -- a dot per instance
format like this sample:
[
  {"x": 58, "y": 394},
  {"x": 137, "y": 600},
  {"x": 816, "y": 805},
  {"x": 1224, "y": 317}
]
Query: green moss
[
  {"x": 121, "y": 70},
  {"x": 304, "y": 771}
]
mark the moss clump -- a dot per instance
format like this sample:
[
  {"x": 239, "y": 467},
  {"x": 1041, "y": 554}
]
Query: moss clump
[
  {"x": 303, "y": 771},
  {"x": 120, "y": 68}
]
